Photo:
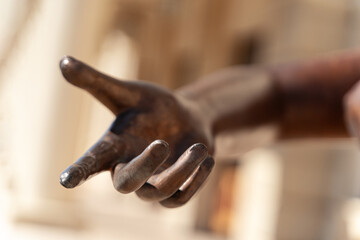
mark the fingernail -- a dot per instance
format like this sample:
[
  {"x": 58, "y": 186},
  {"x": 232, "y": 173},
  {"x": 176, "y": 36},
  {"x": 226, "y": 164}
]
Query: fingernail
[
  {"x": 67, "y": 62},
  {"x": 160, "y": 149},
  {"x": 198, "y": 147},
  {"x": 198, "y": 151},
  {"x": 71, "y": 177},
  {"x": 71, "y": 70},
  {"x": 160, "y": 142}
]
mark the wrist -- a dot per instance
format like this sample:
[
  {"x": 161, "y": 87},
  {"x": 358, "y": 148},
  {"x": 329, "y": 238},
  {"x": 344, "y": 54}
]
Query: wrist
[
  {"x": 313, "y": 91},
  {"x": 234, "y": 98}
]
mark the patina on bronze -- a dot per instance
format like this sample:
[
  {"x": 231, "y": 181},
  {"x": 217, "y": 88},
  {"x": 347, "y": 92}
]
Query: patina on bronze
[
  {"x": 155, "y": 169},
  {"x": 303, "y": 99}
]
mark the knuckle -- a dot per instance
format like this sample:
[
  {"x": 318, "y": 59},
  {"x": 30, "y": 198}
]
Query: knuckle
[
  {"x": 175, "y": 202},
  {"x": 124, "y": 185},
  {"x": 166, "y": 189},
  {"x": 182, "y": 200},
  {"x": 149, "y": 193}
]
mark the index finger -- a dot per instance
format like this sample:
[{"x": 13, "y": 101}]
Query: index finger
[{"x": 98, "y": 158}]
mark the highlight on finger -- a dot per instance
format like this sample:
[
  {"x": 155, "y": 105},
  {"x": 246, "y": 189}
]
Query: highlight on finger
[
  {"x": 131, "y": 176},
  {"x": 74, "y": 71},
  {"x": 183, "y": 195}
]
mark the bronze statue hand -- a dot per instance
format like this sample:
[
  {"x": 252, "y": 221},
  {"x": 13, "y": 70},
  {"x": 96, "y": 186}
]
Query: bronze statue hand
[{"x": 169, "y": 170}]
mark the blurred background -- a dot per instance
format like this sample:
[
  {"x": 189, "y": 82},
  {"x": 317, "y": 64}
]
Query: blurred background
[{"x": 305, "y": 189}]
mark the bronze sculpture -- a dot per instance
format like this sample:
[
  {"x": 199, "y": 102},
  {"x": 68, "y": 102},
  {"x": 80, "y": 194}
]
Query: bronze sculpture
[
  {"x": 144, "y": 113},
  {"x": 304, "y": 99}
]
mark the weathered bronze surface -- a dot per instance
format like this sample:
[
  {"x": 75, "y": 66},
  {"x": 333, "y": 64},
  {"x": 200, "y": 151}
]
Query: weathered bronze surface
[
  {"x": 169, "y": 170},
  {"x": 312, "y": 94},
  {"x": 304, "y": 99}
]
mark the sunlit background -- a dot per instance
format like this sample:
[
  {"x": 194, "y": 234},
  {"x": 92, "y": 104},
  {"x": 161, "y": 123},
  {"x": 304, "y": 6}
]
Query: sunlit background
[{"x": 302, "y": 190}]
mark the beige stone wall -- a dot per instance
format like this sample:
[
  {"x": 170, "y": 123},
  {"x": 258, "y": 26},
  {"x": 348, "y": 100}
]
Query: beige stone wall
[{"x": 178, "y": 41}]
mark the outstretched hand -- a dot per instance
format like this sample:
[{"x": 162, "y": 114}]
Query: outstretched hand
[{"x": 169, "y": 170}]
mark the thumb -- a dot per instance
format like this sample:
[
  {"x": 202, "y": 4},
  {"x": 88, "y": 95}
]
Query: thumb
[{"x": 116, "y": 95}]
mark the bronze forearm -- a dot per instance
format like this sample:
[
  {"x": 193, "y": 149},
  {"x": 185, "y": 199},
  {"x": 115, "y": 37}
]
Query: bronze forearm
[
  {"x": 235, "y": 98},
  {"x": 304, "y": 98},
  {"x": 312, "y": 94}
]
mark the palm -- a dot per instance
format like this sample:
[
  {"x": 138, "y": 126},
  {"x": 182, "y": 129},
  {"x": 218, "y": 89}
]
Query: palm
[{"x": 144, "y": 113}]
